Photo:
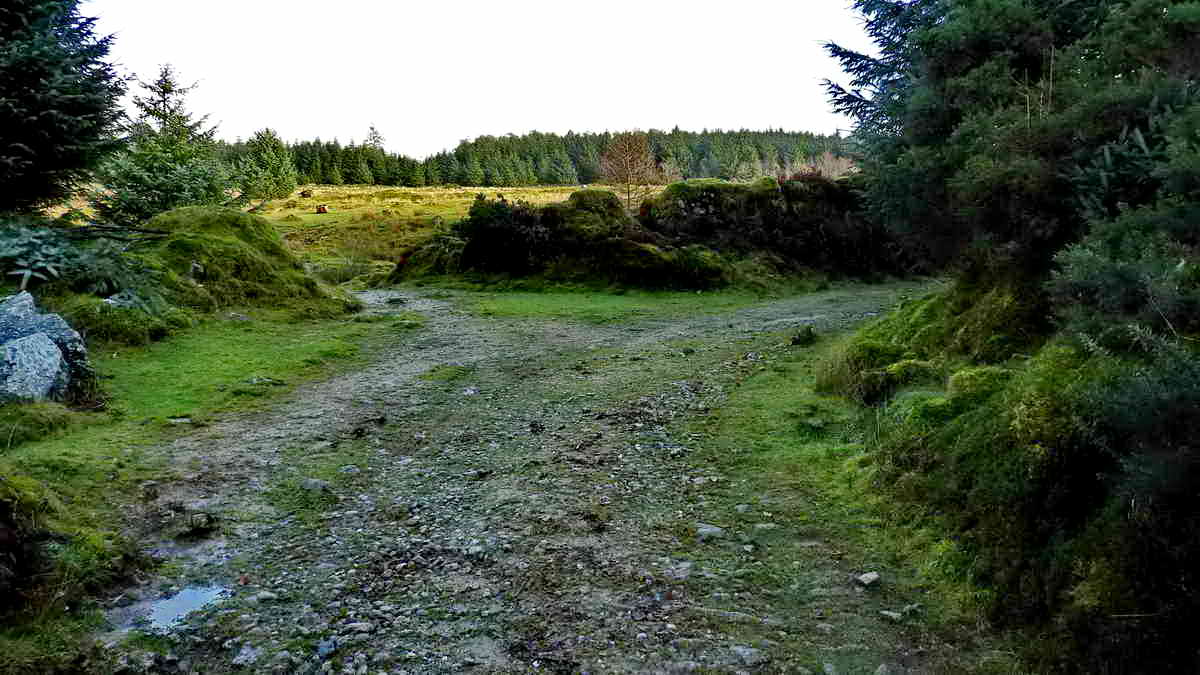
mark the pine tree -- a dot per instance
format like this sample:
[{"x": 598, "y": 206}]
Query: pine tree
[{"x": 58, "y": 101}]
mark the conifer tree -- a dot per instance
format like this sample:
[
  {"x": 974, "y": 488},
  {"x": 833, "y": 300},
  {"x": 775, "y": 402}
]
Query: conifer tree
[
  {"x": 58, "y": 101},
  {"x": 267, "y": 171}
]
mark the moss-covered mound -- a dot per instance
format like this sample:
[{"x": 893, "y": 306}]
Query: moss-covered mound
[
  {"x": 814, "y": 222},
  {"x": 217, "y": 257},
  {"x": 589, "y": 237},
  {"x": 1059, "y": 475}
]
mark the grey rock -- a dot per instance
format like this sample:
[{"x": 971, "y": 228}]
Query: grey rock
[
  {"x": 315, "y": 484},
  {"x": 825, "y": 627},
  {"x": 361, "y": 627},
  {"x": 247, "y": 656},
  {"x": 19, "y": 318},
  {"x": 742, "y": 508},
  {"x": 125, "y": 299},
  {"x": 765, "y": 526},
  {"x": 829, "y": 669},
  {"x": 325, "y": 648},
  {"x": 749, "y": 656},
  {"x": 894, "y": 616},
  {"x": 32, "y": 369},
  {"x": 868, "y": 580},
  {"x": 706, "y": 532},
  {"x": 884, "y": 669}
]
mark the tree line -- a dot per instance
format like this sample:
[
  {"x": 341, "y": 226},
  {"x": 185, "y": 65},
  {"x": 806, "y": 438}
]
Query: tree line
[{"x": 539, "y": 158}]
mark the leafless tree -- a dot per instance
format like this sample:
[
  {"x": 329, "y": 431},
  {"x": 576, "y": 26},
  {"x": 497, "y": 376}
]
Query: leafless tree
[{"x": 628, "y": 165}]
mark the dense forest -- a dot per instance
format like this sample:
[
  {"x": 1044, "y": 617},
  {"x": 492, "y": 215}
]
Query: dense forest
[{"x": 550, "y": 159}]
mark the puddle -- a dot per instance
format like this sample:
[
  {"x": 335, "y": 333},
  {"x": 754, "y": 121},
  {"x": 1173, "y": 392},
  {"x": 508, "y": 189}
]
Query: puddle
[{"x": 163, "y": 614}]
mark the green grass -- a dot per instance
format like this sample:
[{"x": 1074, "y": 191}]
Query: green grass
[
  {"x": 82, "y": 476},
  {"x": 600, "y": 307},
  {"x": 786, "y": 450},
  {"x": 378, "y": 222}
]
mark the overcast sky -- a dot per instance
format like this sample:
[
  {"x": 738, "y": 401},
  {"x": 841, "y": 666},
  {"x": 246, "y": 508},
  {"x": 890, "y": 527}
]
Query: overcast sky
[{"x": 429, "y": 74}]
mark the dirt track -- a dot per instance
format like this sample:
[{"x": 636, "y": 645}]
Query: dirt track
[{"x": 519, "y": 513}]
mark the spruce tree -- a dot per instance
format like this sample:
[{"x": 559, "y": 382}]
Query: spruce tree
[
  {"x": 472, "y": 171},
  {"x": 172, "y": 159},
  {"x": 58, "y": 101},
  {"x": 267, "y": 171}
]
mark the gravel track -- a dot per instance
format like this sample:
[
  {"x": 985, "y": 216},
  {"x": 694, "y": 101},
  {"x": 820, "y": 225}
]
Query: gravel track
[{"x": 518, "y": 517}]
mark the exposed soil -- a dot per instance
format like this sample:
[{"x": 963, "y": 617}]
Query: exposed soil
[{"x": 506, "y": 496}]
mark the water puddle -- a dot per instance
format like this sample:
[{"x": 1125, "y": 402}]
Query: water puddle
[{"x": 163, "y": 614}]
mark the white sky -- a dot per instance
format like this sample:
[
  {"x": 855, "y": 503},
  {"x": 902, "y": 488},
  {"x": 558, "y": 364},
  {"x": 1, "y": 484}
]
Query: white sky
[{"x": 431, "y": 73}]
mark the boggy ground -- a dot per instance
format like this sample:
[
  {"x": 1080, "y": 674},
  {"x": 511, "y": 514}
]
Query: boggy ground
[{"x": 508, "y": 495}]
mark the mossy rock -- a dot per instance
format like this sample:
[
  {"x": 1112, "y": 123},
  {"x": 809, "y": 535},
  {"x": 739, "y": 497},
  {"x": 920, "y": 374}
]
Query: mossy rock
[
  {"x": 978, "y": 382},
  {"x": 698, "y": 267},
  {"x": 217, "y": 257}
]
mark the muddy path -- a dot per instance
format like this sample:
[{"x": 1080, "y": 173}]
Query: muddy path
[{"x": 487, "y": 496}]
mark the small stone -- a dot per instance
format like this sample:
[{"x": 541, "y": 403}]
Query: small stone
[
  {"x": 247, "y": 656},
  {"x": 265, "y": 596},
  {"x": 825, "y": 627},
  {"x": 765, "y": 526},
  {"x": 742, "y": 508},
  {"x": 327, "y": 647},
  {"x": 361, "y": 627},
  {"x": 829, "y": 669},
  {"x": 706, "y": 532},
  {"x": 315, "y": 484},
  {"x": 642, "y": 636},
  {"x": 868, "y": 580},
  {"x": 883, "y": 669},
  {"x": 894, "y": 616},
  {"x": 749, "y": 656},
  {"x": 350, "y": 468}
]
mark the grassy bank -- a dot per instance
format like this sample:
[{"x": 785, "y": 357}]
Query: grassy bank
[
  {"x": 797, "y": 460},
  {"x": 76, "y": 482}
]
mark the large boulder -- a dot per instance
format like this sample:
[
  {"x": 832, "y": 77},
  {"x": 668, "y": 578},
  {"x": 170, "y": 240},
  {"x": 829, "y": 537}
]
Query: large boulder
[{"x": 41, "y": 356}]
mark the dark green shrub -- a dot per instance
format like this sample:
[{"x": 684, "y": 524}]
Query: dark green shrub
[
  {"x": 587, "y": 237},
  {"x": 812, "y": 221}
]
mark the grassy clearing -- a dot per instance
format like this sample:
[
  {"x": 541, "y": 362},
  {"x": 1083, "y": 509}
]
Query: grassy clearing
[
  {"x": 81, "y": 475},
  {"x": 377, "y": 222},
  {"x": 794, "y": 459},
  {"x": 601, "y": 307}
]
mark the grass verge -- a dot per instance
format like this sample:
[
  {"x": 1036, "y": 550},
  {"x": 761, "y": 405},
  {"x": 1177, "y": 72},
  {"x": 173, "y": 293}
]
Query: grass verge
[
  {"x": 795, "y": 483},
  {"x": 76, "y": 479}
]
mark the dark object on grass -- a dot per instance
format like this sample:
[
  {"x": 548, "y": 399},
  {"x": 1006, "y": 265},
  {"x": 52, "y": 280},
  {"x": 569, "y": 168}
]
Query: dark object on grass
[
  {"x": 805, "y": 337},
  {"x": 322, "y": 208},
  {"x": 306, "y": 194}
]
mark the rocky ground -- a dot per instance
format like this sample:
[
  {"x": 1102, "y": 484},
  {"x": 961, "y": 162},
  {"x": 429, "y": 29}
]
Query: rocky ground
[{"x": 497, "y": 496}]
